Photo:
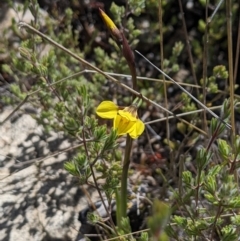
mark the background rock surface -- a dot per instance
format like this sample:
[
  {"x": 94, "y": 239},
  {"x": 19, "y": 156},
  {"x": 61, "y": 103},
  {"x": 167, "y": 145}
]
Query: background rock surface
[{"x": 39, "y": 199}]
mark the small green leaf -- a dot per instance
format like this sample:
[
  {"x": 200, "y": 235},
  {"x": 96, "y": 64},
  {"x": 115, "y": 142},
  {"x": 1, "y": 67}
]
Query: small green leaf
[
  {"x": 203, "y": 158},
  {"x": 187, "y": 178},
  {"x": 71, "y": 168},
  {"x": 179, "y": 220},
  {"x": 224, "y": 149}
]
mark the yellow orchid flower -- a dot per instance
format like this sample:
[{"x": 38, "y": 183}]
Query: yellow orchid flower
[{"x": 125, "y": 121}]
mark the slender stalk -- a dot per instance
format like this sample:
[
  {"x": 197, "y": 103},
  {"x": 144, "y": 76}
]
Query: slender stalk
[
  {"x": 143, "y": 78},
  {"x": 15, "y": 110},
  {"x": 118, "y": 208},
  {"x": 205, "y": 66},
  {"x": 231, "y": 75},
  {"x": 188, "y": 45},
  {"x": 215, "y": 11},
  {"x": 230, "y": 63},
  {"x": 237, "y": 52},
  {"x": 214, "y": 225},
  {"x": 124, "y": 180},
  {"x": 129, "y": 56},
  {"x": 214, "y": 136},
  {"x": 160, "y": 14}
]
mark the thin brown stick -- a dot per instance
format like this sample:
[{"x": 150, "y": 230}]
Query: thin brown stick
[
  {"x": 237, "y": 52},
  {"x": 205, "y": 65},
  {"x": 230, "y": 62},
  {"x": 160, "y": 14},
  {"x": 15, "y": 110},
  {"x": 188, "y": 45}
]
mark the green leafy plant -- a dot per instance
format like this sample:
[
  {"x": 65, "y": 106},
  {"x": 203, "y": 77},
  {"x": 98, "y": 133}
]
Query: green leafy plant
[{"x": 198, "y": 179}]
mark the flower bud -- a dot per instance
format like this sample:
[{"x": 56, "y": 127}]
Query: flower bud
[{"x": 115, "y": 32}]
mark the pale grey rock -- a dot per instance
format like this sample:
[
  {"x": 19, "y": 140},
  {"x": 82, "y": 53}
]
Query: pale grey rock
[
  {"x": 35, "y": 139},
  {"x": 31, "y": 150},
  {"x": 38, "y": 200},
  {"x": 27, "y": 144}
]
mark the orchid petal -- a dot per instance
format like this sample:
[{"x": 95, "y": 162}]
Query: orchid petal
[
  {"x": 122, "y": 125},
  {"x": 127, "y": 115},
  {"x": 107, "y": 110},
  {"x": 137, "y": 129}
]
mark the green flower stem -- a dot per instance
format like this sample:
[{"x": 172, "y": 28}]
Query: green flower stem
[
  {"x": 122, "y": 201},
  {"x": 124, "y": 180},
  {"x": 118, "y": 208}
]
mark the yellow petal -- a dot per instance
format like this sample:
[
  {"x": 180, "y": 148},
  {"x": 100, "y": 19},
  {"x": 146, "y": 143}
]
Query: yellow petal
[
  {"x": 122, "y": 125},
  {"x": 107, "y": 110},
  {"x": 137, "y": 129},
  {"x": 127, "y": 115}
]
